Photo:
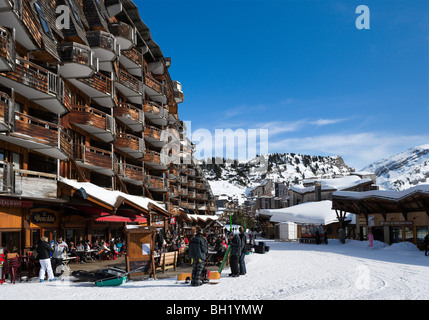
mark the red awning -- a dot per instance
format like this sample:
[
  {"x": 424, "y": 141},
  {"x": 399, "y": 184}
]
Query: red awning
[{"x": 121, "y": 219}]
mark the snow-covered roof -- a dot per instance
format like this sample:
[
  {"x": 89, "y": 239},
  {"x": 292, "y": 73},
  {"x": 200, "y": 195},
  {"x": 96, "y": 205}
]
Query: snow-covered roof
[
  {"x": 318, "y": 212},
  {"x": 382, "y": 194},
  {"x": 332, "y": 184},
  {"x": 110, "y": 197},
  {"x": 202, "y": 217}
]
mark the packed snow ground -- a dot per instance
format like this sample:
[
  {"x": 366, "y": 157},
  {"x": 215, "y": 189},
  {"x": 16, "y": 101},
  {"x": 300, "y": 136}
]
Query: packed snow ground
[{"x": 288, "y": 271}]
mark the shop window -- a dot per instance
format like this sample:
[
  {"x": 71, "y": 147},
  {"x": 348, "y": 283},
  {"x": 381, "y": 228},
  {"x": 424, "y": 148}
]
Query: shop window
[
  {"x": 409, "y": 234},
  {"x": 11, "y": 241},
  {"x": 421, "y": 233}
]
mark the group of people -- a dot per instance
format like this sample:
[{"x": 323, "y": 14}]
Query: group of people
[
  {"x": 169, "y": 242},
  {"x": 198, "y": 250},
  {"x": 58, "y": 250}
]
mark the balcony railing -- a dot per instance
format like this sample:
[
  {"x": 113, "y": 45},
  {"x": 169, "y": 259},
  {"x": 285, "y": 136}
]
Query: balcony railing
[
  {"x": 132, "y": 60},
  {"x": 158, "y": 183},
  {"x": 130, "y": 115},
  {"x": 100, "y": 83},
  {"x": 37, "y": 84},
  {"x": 7, "y": 50},
  {"x": 7, "y": 106},
  {"x": 125, "y": 34},
  {"x": 7, "y": 177},
  {"x": 131, "y": 87},
  {"x": 130, "y": 144},
  {"x": 79, "y": 61},
  {"x": 104, "y": 45},
  {"x": 154, "y": 84},
  {"x": 92, "y": 156},
  {"x": 130, "y": 171}
]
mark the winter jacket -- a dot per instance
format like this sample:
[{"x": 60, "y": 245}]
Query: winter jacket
[
  {"x": 236, "y": 245},
  {"x": 43, "y": 250},
  {"x": 197, "y": 248},
  {"x": 243, "y": 243},
  {"x": 59, "y": 249}
]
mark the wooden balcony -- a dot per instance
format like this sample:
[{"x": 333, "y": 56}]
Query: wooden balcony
[
  {"x": 7, "y": 50},
  {"x": 200, "y": 185},
  {"x": 155, "y": 89},
  {"x": 201, "y": 196},
  {"x": 131, "y": 87},
  {"x": 132, "y": 60},
  {"x": 155, "y": 136},
  {"x": 17, "y": 14},
  {"x": 78, "y": 61},
  {"x": 105, "y": 48},
  {"x": 130, "y": 145},
  {"x": 37, "y": 84},
  {"x": 155, "y": 160},
  {"x": 130, "y": 116},
  {"x": 125, "y": 34},
  {"x": 94, "y": 159},
  {"x": 39, "y": 136},
  {"x": 7, "y": 106},
  {"x": 130, "y": 173},
  {"x": 155, "y": 113},
  {"x": 157, "y": 184},
  {"x": 93, "y": 122},
  {"x": 179, "y": 97},
  {"x": 98, "y": 87}
]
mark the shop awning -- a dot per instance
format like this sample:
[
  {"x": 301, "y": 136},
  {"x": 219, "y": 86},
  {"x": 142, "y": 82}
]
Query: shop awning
[{"x": 115, "y": 218}]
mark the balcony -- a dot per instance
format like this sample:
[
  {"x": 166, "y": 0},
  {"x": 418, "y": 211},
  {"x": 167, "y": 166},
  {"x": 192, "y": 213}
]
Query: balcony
[
  {"x": 7, "y": 106},
  {"x": 39, "y": 136},
  {"x": 94, "y": 159},
  {"x": 98, "y": 87},
  {"x": 156, "y": 137},
  {"x": 130, "y": 145},
  {"x": 130, "y": 116},
  {"x": 130, "y": 173},
  {"x": 156, "y": 113},
  {"x": 132, "y": 60},
  {"x": 174, "y": 192},
  {"x": 155, "y": 89},
  {"x": 124, "y": 34},
  {"x": 17, "y": 14},
  {"x": 105, "y": 48},
  {"x": 78, "y": 61},
  {"x": 131, "y": 87},
  {"x": 178, "y": 93},
  {"x": 37, "y": 84},
  {"x": 7, "y": 50},
  {"x": 93, "y": 122},
  {"x": 155, "y": 160},
  {"x": 7, "y": 178},
  {"x": 157, "y": 184}
]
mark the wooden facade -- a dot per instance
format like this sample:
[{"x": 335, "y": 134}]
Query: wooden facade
[{"x": 92, "y": 103}]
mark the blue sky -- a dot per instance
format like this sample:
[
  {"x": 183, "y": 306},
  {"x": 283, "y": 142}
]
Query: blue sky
[{"x": 302, "y": 70}]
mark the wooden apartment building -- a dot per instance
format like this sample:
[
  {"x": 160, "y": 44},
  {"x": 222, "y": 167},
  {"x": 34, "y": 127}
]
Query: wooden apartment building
[{"x": 92, "y": 103}]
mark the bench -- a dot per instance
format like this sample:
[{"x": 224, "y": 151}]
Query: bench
[{"x": 167, "y": 261}]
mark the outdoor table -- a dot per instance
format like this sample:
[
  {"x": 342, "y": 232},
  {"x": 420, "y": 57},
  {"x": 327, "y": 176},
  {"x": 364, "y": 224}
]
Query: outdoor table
[{"x": 66, "y": 261}]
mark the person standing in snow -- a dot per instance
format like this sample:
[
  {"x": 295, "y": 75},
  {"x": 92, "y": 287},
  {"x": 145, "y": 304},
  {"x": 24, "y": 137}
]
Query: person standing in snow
[
  {"x": 60, "y": 249},
  {"x": 235, "y": 243},
  {"x": 426, "y": 242},
  {"x": 370, "y": 238},
  {"x": 43, "y": 255},
  {"x": 242, "y": 263},
  {"x": 197, "y": 253}
]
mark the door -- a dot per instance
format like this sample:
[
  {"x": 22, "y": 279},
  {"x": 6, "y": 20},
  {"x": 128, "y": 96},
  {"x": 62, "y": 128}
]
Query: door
[{"x": 395, "y": 234}]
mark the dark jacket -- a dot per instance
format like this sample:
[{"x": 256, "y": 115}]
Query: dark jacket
[
  {"x": 43, "y": 250},
  {"x": 243, "y": 243},
  {"x": 236, "y": 245},
  {"x": 197, "y": 247}
]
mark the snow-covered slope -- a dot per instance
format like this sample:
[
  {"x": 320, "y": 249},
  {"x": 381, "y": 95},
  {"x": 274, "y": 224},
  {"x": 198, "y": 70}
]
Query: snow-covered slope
[
  {"x": 404, "y": 170},
  {"x": 288, "y": 168}
]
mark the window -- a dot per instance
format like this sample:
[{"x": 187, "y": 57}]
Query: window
[
  {"x": 43, "y": 21},
  {"x": 11, "y": 241},
  {"x": 100, "y": 9},
  {"x": 421, "y": 233},
  {"x": 75, "y": 13}
]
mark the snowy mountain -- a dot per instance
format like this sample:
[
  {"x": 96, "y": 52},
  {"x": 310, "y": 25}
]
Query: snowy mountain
[
  {"x": 403, "y": 170},
  {"x": 232, "y": 176}
]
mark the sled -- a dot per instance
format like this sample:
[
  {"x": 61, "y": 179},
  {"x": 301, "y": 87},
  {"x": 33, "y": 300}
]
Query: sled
[
  {"x": 187, "y": 276},
  {"x": 114, "y": 281}
]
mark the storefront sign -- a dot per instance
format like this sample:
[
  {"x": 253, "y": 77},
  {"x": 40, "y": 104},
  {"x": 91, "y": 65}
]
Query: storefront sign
[
  {"x": 173, "y": 220},
  {"x": 15, "y": 203},
  {"x": 42, "y": 215},
  {"x": 157, "y": 220},
  {"x": 396, "y": 223}
]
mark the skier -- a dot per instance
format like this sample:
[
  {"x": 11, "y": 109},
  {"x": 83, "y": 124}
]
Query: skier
[{"x": 197, "y": 253}]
